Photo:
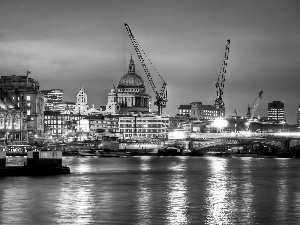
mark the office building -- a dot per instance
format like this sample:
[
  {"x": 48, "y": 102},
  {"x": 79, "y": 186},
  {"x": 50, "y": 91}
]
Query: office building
[
  {"x": 13, "y": 122},
  {"x": 276, "y": 112},
  {"x": 53, "y": 98},
  {"x": 143, "y": 126},
  {"x": 204, "y": 112},
  {"x": 24, "y": 92},
  {"x": 184, "y": 110}
]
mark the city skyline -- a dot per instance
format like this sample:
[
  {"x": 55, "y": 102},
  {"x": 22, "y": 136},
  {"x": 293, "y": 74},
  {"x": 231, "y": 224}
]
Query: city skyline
[{"x": 86, "y": 42}]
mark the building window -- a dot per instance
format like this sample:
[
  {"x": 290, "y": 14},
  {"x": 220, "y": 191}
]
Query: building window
[{"x": 28, "y": 98}]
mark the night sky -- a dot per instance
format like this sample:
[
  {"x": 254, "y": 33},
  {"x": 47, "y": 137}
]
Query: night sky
[{"x": 66, "y": 43}]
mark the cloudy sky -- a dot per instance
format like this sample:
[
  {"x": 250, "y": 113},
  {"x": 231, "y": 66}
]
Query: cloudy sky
[{"x": 68, "y": 42}]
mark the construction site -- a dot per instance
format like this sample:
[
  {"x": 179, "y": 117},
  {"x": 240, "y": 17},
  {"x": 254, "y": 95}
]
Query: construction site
[{"x": 198, "y": 117}]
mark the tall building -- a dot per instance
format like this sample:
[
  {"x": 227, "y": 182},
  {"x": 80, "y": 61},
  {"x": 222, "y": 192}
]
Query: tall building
[
  {"x": 13, "y": 127},
  {"x": 130, "y": 95},
  {"x": 53, "y": 98},
  {"x": 276, "y": 111},
  {"x": 24, "y": 92},
  {"x": 54, "y": 101}
]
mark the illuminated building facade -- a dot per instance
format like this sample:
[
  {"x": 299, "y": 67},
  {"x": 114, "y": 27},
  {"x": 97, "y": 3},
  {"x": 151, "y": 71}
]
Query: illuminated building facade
[
  {"x": 100, "y": 123},
  {"x": 13, "y": 125},
  {"x": 143, "y": 126},
  {"x": 276, "y": 111},
  {"x": 62, "y": 124},
  {"x": 65, "y": 106},
  {"x": 24, "y": 92},
  {"x": 69, "y": 105},
  {"x": 53, "y": 98},
  {"x": 130, "y": 95},
  {"x": 184, "y": 110},
  {"x": 54, "y": 101},
  {"x": 204, "y": 112}
]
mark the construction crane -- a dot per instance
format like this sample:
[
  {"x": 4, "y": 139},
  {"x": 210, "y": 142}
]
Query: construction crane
[
  {"x": 251, "y": 111},
  {"x": 161, "y": 98},
  {"x": 236, "y": 115},
  {"x": 219, "y": 104}
]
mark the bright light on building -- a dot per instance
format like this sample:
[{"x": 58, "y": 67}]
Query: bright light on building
[
  {"x": 220, "y": 123},
  {"x": 177, "y": 135}
]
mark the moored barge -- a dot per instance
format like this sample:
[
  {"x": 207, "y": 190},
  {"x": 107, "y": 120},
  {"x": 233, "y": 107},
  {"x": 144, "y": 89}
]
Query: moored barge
[{"x": 39, "y": 163}]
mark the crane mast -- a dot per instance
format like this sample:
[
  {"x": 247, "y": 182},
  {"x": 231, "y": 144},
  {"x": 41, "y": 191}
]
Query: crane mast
[
  {"x": 219, "y": 104},
  {"x": 253, "y": 109},
  {"x": 161, "y": 98}
]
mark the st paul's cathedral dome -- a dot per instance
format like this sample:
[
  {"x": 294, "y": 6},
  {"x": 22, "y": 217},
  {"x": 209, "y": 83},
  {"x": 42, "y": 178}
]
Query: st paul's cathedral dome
[
  {"x": 131, "y": 79},
  {"x": 130, "y": 95}
]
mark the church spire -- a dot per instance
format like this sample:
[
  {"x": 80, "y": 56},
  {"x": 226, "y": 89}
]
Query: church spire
[{"x": 131, "y": 66}]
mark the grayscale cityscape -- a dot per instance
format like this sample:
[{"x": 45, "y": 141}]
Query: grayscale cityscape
[{"x": 149, "y": 112}]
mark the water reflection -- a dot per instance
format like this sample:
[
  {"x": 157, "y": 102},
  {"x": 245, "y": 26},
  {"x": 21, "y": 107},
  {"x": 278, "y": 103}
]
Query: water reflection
[
  {"x": 145, "y": 166},
  {"x": 177, "y": 196},
  {"x": 144, "y": 192},
  {"x": 75, "y": 201},
  {"x": 247, "y": 197},
  {"x": 282, "y": 189},
  {"x": 217, "y": 196},
  {"x": 84, "y": 165},
  {"x": 157, "y": 190},
  {"x": 12, "y": 204}
]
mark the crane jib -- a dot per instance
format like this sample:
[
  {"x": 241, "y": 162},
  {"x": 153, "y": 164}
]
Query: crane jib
[
  {"x": 162, "y": 96},
  {"x": 221, "y": 78}
]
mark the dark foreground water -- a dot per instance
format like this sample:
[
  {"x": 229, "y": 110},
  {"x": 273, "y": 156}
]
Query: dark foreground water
[{"x": 157, "y": 190}]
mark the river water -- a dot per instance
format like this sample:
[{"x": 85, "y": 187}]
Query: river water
[{"x": 157, "y": 190}]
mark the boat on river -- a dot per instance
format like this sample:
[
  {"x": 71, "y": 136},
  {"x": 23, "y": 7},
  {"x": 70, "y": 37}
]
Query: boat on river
[{"x": 39, "y": 163}]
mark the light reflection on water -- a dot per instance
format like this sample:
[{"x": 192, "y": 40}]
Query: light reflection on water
[
  {"x": 177, "y": 193},
  {"x": 144, "y": 193},
  {"x": 230, "y": 192},
  {"x": 157, "y": 190},
  {"x": 76, "y": 199},
  {"x": 247, "y": 213},
  {"x": 217, "y": 192},
  {"x": 282, "y": 196}
]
